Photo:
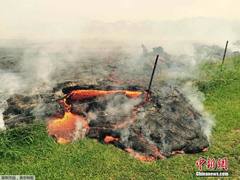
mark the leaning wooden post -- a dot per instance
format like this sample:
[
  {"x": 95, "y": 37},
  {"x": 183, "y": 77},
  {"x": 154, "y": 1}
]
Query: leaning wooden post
[
  {"x": 150, "y": 83},
  {"x": 224, "y": 54}
]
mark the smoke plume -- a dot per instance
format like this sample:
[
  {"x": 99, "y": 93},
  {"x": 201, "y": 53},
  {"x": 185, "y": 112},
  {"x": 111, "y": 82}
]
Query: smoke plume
[{"x": 30, "y": 66}]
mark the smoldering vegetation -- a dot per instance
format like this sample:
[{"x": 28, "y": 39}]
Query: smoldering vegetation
[{"x": 34, "y": 74}]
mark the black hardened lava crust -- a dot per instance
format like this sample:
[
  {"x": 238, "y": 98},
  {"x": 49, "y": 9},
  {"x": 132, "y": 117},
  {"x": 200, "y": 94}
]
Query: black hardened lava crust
[{"x": 164, "y": 124}]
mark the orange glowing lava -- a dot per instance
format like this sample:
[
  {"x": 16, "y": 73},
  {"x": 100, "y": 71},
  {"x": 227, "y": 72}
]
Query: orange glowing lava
[
  {"x": 63, "y": 128},
  {"x": 109, "y": 139},
  {"x": 78, "y": 95},
  {"x": 140, "y": 156}
]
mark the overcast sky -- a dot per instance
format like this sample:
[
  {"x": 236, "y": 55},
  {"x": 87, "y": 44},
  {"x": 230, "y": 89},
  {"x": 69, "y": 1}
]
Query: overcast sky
[{"x": 18, "y": 17}]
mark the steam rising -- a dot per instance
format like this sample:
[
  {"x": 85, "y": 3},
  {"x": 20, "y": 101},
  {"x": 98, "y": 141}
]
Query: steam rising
[
  {"x": 2, "y": 106},
  {"x": 1, "y": 121},
  {"x": 30, "y": 66},
  {"x": 121, "y": 106},
  {"x": 42, "y": 65},
  {"x": 196, "y": 98}
]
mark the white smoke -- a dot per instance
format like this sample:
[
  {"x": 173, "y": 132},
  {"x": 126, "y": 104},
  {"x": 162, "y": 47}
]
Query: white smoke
[
  {"x": 38, "y": 65},
  {"x": 117, "y": 107},
  {"x": 2, "y": 127},
  {"x": 196, "y": 99},
  {"x": 10, "y": 84},
  {"x": 2, "y": 107},
  {"x": 45, "y": 64},
  {"x": 80, "y": 131}
]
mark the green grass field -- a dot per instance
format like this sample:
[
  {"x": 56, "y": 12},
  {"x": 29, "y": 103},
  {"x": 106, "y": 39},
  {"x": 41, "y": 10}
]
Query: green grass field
[{"x": 29, "y": 150}]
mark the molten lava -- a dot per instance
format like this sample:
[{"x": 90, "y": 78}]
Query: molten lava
[
  {"x": 68, "y": 127},
  {"x": 149, "y": 125},
  {"x": 79, "y": 95},
  {"x": 63, "y": 128},
  {"x": 140, "y": 156},
  {"x": 109, "y": 139}
]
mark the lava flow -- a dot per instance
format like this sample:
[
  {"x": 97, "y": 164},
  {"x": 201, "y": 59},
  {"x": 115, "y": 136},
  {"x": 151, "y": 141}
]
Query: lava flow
[
  {"x": 149, "y": 126},
  {"x": 78, "y": 95},
  {"x": 70, "y": 125},
  {"x": 63, "y": 128},
  {"x": 109, "y": 139}
]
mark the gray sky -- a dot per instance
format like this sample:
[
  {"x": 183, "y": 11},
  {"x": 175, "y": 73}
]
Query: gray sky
[
  {"x": 113, "y": 10},
  {"x": 21, "y": 17}
]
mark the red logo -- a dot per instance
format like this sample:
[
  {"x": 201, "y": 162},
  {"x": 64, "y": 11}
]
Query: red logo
[
  {"x": 200, "y": 162},
  {"x": 222, "y": 164},
  {"x": 212, "y": 164}
]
